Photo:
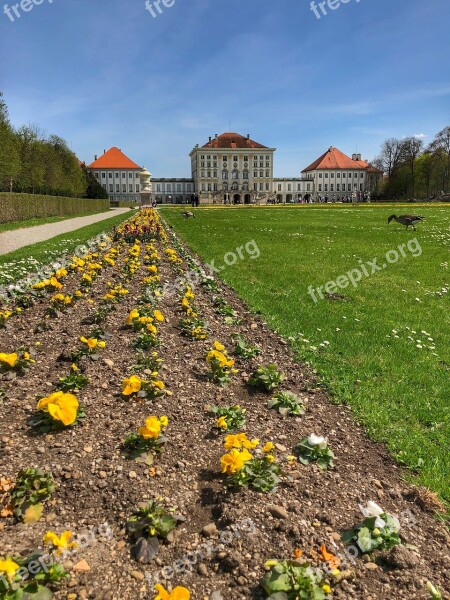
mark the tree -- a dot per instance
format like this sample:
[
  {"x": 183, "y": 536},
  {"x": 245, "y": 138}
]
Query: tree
[
  {"x": 9, "y": 151},
  {"x": 94, "y": 189},
  {"x": 390, "y": 157},
  {"x": 440, "y": 147},
  {"x": 411, "y": 150}
]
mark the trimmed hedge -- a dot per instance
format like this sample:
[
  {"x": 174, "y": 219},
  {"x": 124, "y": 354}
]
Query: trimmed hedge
[{"x": 20, "y": 207}]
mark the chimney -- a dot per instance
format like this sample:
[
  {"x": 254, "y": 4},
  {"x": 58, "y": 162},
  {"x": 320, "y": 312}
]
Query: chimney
[
  {"x": 217, "y": 136},
  {"x": 358, "y": 157},
  {"x": 248, "y": 136},
  {"x": 95, "y": 157},
  {"x": 210, "y": 138},
  {"x": 104, "y": 151},
  {"x": 354, "y": 157}
]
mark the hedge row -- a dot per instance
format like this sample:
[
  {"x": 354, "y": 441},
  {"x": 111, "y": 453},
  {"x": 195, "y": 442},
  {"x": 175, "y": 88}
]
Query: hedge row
[{"x": 20, "y": 207}]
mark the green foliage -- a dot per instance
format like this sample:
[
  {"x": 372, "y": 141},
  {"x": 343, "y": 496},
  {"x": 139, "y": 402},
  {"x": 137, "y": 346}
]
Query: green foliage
[
  {"x": 259, "y": 474},
  {"x": 308, "y": 452},
  {"x": 368, "y": 537},
  {"x": 244, "y": 349},
  {"x": 145, "y": 341},
  {"x": 291, "y": 580},
  {"x": 19, "y": 207},
  {"x": 234, "y": 417},
  {"x": 135, "y": 445},
  {"x": 144, "y": 362},
  {"x": 266, "y": 378},
  {"x": 287, "y": 404},
  {"x": 33, "y": 487},
  {"x": 73, "y": 381},
  {"x": 93, "y": 188}
]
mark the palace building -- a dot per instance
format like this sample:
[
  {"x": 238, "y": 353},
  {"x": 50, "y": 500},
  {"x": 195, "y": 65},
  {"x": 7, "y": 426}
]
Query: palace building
[{"x": 234, "y": 169}]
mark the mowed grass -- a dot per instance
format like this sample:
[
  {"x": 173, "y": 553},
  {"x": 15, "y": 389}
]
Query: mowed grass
[
  {"x": 17, "y": 264},
  {"x": 385, "y": 351}
]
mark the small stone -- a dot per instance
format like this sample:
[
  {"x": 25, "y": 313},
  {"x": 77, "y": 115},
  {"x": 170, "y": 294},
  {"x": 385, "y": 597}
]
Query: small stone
[
  {"x": 41, "y": 450},
  {"x": 280, "y": 447},
  {"x": 103, "y": 474},
  {"x": 88, "y": 449},
  {"x": 279, "y": 512},
  {"x": 254, "y": 326},
  {"x": 132, "y": 475},
  {"x": 371, "y": 566},
  {"x": 121, "y": 544},
  {"x": 82, "y": 567},
  {"x": 108, "y": 362},
  {"x": 402, "y": 558},
  {"x": 209, "y": 530},
  {"x": 216, "y": 596},
  {"x": 242, "y": 581},
  {"x": 137, "y": 575},
  {"x": 202, "y": 570},
  {"x": 71, "y": 597}
]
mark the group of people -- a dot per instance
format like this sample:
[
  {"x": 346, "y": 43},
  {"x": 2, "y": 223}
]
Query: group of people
[{"x": 195, "y": 200}]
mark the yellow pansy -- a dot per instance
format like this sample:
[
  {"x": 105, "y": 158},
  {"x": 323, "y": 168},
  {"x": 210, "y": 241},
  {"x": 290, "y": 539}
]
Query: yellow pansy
[
  {"x": 61, "y": 407},
  {"x": 240, "y": 441},
  {"x": 134, "y": 314},
  {"x": 218, "y": 346},
  {"x": 268, "y": 447},
  {"x": 59, "y": 543},
  {"x": 164, "y": 421},
  {"x": 234, "y": 461},
  {"x": 91, "y": 342},
  {"x": 222, "y": 423},
  {"x": 151, "y": 429},
  {"x": 270, "y": 458},
  {"x": 326, "y": 589},
  {"x": 9, "y": 359},
  {"x": 9, "y": 567},
  {"x": 179, "y": 593},
  {"x": 132, "y": 385},
  {"x": 159, "y": 384},
  {"x": 158, "y": 315}
]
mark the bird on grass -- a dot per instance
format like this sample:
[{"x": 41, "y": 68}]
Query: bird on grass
[
  {"x": 407, "y": 220},
  {"x": 188, "y": 214}
]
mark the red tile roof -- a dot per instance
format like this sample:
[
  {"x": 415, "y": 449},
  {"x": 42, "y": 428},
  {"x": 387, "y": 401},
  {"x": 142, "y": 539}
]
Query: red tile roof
[
  {"x": 335, "y": 159},
  {"x": 232, "y": 140},
  {"x": 114, "y": 159}
]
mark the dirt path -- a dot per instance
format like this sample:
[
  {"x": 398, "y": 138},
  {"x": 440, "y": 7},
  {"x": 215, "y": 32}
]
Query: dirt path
[{"x": 13, "y": 240}]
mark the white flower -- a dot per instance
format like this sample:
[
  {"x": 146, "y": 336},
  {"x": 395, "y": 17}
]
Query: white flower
[
  {"x": 317, "y": 440},
  {"x": 372, "y": 509},
  {"x": 379, "y": 523}
]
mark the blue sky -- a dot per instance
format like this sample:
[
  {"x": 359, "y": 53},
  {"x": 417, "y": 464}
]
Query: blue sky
[{"x": 105, "y": 72}]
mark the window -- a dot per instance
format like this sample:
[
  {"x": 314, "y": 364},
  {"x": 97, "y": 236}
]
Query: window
[
  {"x": 267, "y": 173},
  {"x": 362, "y": 175},
  {"x": 117, "y": 188},
  {"x": 360, "y": 187},
  {"x": 255, "y": 173},
  {"x": 202, "y": 157},
  {"x": 267, "y": 164},
  {"x": 261, "y": 187},
  {"x": 332, "y": 175},
  {"x": 215, "y": 173},
  {"x": 209, "y": 174},
  {"x": 338, "y": 175},
  {"x": 111, "y": 187},
  {"x": 117, "y": 175},
  {"x": 308, "y": 187},
  {"x": 235, "y": 174},
  {"x": 124, "y": 188},
  {"x": 245, "y": 174},
  {"x": 349, "y": 175},
  {"x": 320, "y": 187},
  {"x": 298, "y": 187},
  {"x": 355, "y": 174},
  {"x": 261, "y": 173},
  {"x": 225, "y": 158},
  {"x": 279, "y": 187},
  {"x": 326, "y": 175},
  {"x": 215, "y": 187},
  {"x": 332, "y": 187},
  {"x": 349, "y": 187},
  {"x": 209, "y": 187},
  {"x": 124, "y": 175},
  {"x": 320, "y": 175},
  {"x": 138, "y": 187},
  {"x": 338, "y": 187},
  {"x": 203, "y": 187},
  {"x": 289, "y": 187},
  {"x": 326, "y": 187},
  {"x": 130, "y": 175},
  {"x": 130, "y": 187},
  {"x": 225, "y": 187},
  {"x": 158, "y": 187},
  {"x": 137, "y": 176},
  {"x": 224, "y": 174},
  {"x": 209, "y": 165},
  {"x": 103, "y": 175},
  {"x": 202, "y": 164},
  {"x": 178, "y": 187},
  {"x": 235, "y": 158},
  {"x": 255, "y": 187},
  {"x": 267, "y": 187},
  {"x": 203, "y": 174},
  {"x": 267, "y": 157},
  {"x": 245, "y": 158},
  {"x": 96, "y": 175},
  {"x": 109, "y": 175}
]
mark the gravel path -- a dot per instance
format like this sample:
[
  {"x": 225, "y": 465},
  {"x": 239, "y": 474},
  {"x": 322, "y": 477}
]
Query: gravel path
[{"x": 13, "y": 240}]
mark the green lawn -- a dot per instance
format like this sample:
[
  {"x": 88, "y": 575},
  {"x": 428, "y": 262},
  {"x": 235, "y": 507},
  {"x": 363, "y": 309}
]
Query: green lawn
[
  {"x": 19, "y": 263},
  {"x": 385, "y": 347}
]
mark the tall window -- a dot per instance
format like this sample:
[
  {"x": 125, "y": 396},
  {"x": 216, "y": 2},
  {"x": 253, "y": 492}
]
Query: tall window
[
  {"x": 224, "y": 174},
  {"x": 235, "y": 174},
  {"x": 245, "y": 174}
]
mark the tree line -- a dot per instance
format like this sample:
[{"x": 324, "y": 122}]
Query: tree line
[
  {"x": 34, "y": 163},
  {"x": 413, "y": 170}
]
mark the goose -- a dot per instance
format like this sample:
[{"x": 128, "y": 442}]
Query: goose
[
  {"x": 407, "y": 220},
  {"x": 188, "y": 214}
]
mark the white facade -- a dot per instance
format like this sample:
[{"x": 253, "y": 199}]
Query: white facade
[
  {"x": 122, "y": 185},
  {"x": 172, "y": 191}
]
